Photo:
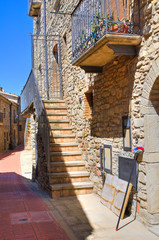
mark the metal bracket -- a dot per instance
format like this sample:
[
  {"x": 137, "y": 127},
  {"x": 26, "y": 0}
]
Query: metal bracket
[{"x": 61, "y": 13}]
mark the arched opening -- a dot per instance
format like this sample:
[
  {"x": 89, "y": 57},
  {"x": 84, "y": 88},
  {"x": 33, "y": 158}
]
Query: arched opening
[{"x": 152, "y": 150}]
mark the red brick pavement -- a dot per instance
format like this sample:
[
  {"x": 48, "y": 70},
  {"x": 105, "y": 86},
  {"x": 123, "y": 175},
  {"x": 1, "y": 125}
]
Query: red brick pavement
[{"x": 23, "y": 215}]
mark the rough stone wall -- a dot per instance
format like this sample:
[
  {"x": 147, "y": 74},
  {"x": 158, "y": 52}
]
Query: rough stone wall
[
  {"x": 21, "y": 130},
  {"x": 42, "y": 177},
  {"x": 5, "y": 127},
  {"x": 145, "y": 75},
  {"x": 14, "y": 125},
  {"x": 123, "y": 88}
]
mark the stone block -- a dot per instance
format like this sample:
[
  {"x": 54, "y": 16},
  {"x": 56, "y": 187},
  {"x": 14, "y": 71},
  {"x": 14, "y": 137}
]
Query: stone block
[
  {"x": 143, "y": 204},
  {"x": 151, "y": 157},
  {"x": 155, "y": 68},
  {"x": 142, "y": 178},
  {"x": 142, "y": 196},
  {"x": 152, "y": 171},
  {"x": 157, "y": 62},
  {"x": 138, "y": 122},
  {"x": 151, "y": 128}
]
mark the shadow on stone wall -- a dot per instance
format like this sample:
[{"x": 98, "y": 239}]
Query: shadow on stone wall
[
  {"x": 154, "y": 96},
  {"x": 64, "y": 209},
  {"x": 112, "y": 95}
]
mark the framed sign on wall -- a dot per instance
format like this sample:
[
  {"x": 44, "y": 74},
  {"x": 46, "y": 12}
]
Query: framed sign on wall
[
  {"x": 126, "y": 127},
  {"x": 106, "y": 158}
]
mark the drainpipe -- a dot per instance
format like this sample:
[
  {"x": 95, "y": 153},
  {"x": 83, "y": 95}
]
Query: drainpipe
[{"x": 45, "y": 42}]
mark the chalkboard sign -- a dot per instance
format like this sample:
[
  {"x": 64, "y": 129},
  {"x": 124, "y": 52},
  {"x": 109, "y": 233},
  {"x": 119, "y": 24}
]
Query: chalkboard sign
[{"x": 125, "y": 168}]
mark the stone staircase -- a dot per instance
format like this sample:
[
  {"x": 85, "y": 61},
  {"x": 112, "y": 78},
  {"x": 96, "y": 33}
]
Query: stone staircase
[{"x": 68, "y": 174}]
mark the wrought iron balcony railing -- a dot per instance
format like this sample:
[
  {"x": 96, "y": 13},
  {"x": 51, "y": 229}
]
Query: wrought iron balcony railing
[{"x": 92, "y": 19}]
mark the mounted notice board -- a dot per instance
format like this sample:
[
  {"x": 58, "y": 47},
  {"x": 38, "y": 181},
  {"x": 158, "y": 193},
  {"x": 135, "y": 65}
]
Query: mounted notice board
[
  {"x": 113, "y": 194},
  {"x": 124, "y": 171}
]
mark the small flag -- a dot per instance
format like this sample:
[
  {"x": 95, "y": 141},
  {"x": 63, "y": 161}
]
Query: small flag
[{"x": 138, "y": 149}]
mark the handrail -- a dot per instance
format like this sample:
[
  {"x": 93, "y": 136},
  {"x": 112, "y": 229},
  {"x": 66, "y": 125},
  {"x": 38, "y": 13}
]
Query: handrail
[{"x": 30, "y": 94}]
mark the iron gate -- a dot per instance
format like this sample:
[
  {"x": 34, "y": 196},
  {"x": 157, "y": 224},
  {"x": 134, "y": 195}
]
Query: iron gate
[{"x": 46, "y": 63}]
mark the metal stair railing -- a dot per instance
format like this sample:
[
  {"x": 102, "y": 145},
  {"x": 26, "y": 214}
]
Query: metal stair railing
[{"x": 31, "y": 95}]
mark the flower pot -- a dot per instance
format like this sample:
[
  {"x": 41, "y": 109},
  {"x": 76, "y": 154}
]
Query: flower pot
[
  {"x": 124, "y": 29},
  {"x": 114, "y": 28}
]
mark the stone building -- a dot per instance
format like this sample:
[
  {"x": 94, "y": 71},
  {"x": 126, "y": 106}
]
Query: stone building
[
  {"x": 11, "y": 124},
  {"x": 102, "y": 60}
]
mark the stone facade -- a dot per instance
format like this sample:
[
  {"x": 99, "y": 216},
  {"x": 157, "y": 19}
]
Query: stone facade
[
  {"x": 5, "y": 125},
  {"x": 10, "y": 135},
  {"x": 128, "y": 86}
]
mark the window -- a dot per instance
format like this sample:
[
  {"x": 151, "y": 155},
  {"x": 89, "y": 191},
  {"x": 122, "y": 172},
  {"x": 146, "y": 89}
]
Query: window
[
  {"x": 20, "y": 128},
  {"x": 88, "y": 104},
  {"x": 55, "y": 52},
  {"x": 126, "y": 125},
  {"x": 4, "y": 113},
  {"x": 1, "y": 118},
  {"x": 14, "y": 118},
  {"x": 65, "y": 39}
]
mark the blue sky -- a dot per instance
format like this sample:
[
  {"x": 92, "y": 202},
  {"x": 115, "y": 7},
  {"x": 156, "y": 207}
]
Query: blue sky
[{"x": 15, "y": 47}]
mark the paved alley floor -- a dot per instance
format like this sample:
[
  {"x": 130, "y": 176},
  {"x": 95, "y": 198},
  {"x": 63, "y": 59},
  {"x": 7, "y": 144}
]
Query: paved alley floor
[
  {"x": 23, "y": 215},
  {"x": 26, "y": 212}
]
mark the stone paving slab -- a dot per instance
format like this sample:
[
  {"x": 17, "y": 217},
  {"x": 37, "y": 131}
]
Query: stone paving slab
[
  {"x": 23, "y": 214},
  {"x": 85, "y": 218},
  {"x": 26, "y": 163},
  {"x": 32, "y": 213}
]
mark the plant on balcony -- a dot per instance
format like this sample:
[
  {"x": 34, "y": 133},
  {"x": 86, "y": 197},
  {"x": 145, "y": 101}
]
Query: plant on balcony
[
  {"x": 111, "y": 25},
  {"x": 82, "y": 40},
  {"x": 126, "y": 26},
  {"x": 83, "y": 36},
  {"x": 98, "y": 28}
]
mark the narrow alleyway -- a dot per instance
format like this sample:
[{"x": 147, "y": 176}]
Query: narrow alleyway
[
  {"x": 26, "y": 212},
  {"x": 23, "y": 214}
]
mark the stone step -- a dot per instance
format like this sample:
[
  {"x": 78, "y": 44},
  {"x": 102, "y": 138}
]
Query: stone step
[
  {"x": 54, "y": 103},
  {"x": 70, "y": 189},
  {"x": 56, "y": 116},
  {"x": 56, "y": 107},
  {"x": 67, "y": 166},
  {"x": 73, "y": 153},
  {"x": 54, "y": 110},
  {"x": 63, "y": 147},
  {"x": 65, "y": 156},
  {"x": 59, "y": 122},
  {"x": 69, "y": 177},
  {"x": 62, "y": 138},
  {"x": 60, "y": 130}
]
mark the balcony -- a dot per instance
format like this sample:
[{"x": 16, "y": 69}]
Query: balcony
[
  {"x": 34, "y": 7},
  {"x": 1, "y": 118},
  {"x": 102, "y": 30}
]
